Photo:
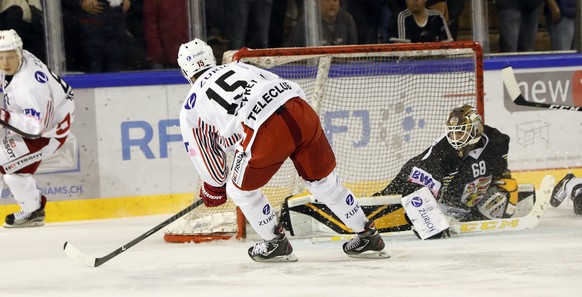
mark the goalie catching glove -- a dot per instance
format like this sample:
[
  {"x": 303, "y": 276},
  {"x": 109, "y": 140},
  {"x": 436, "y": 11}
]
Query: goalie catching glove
[
  {"x": 213, "y": 196},
  {"x": 501, "y": 199}
]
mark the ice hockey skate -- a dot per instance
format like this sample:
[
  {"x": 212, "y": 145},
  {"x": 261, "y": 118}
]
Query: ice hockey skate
[
  {"x": 559, "y": 192},
  {"x": 367, "y": 244},
  {"x": 23, "y": 219},
  {"x": 277, "y": 249}
]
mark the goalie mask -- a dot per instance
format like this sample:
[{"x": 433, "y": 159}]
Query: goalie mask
[
  {"x": 464, "y": 127},
  {"x": 195, "y": 57}
]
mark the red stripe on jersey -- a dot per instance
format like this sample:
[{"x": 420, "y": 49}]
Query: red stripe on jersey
[{"x": 212, "y": 154}]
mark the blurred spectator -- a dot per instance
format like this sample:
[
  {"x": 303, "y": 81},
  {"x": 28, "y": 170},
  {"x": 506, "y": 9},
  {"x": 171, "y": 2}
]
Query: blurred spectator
[
  {"x": 215, "y": 28},
  {"x": 397, "y": 6},
  {"x": 518, "y": 24},
  {"x": 561, "y": 22},
  {"x": 455, "y": 9},
  {"x": 367, "y": 15},
  {"x": 338, "y": 28},
  {"x": 277, "y": 25},
  {"x": 247, "y": 23},
  {"x": 419, "y": 24},
  {"x": 136, "y": 47},
  {"x": 440, "y": 5},
  {"x": 215, "y": 20},
  {"x": 166, "y": 28},
  {"x": 385, "y": 17},
  {"x": 26, "y": 18},
  {"x": 72, "y": 35},
  {"x": 103, "y": 34}
]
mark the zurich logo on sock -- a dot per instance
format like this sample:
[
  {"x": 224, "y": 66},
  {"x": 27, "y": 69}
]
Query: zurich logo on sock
[
  {"x": 266, "y": 209},
  {"x": 350, "y": 199}
]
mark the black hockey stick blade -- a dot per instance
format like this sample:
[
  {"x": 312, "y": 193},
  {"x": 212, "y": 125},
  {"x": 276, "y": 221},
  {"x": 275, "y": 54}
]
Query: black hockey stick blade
[
  {"x": 512, "y": 88},
  {"x": 14, "y": 129},
  {"x": 91, "y": 261}
]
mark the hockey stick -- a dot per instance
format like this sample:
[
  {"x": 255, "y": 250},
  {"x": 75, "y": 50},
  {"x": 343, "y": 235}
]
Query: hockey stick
[
  {"x": 512, "y": 88},
  {"x": 16, "y": 130},
  {"x": 91, "y": 261}
]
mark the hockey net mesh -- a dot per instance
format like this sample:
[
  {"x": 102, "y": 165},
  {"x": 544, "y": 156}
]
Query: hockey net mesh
[{"x": 379, "y": 106}]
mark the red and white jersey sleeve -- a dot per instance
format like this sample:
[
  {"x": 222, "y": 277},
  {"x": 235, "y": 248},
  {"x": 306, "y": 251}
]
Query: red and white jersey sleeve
[{"x": 39, "y": 101}]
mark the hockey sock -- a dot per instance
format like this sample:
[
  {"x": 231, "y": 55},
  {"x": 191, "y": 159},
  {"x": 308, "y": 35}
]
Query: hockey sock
[
  {"x": 256, "y": 208},
  {"x": 23, "y": 187},
  {"x": 340, "y": 201}
]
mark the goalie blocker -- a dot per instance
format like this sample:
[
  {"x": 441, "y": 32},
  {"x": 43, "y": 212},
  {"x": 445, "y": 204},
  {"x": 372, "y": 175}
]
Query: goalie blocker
[{"x": 304, "y": 217}]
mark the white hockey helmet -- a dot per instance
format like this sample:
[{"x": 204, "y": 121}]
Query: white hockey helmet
[
  {"x": 10, "y": 41},
  {"x": 464, "y": 126},
  {"x": 195, "y": 56}
]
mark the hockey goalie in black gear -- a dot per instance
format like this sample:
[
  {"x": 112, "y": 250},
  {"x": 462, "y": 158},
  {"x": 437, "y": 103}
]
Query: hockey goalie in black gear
[{"x": 465, "y": 169}]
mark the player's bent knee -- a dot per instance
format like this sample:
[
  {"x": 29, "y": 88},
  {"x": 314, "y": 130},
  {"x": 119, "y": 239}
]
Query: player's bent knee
[
  {"x": 328, "y": 189},
  {"x": 241, "y": 197}
]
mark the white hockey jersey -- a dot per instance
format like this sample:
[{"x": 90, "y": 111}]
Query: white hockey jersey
[
  {"x": 39, "y": 101},
  {"x": 220, "y": 101}
]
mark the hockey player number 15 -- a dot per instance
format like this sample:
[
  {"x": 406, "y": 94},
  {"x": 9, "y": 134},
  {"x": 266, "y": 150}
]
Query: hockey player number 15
[{"x": 221, "y": 82}]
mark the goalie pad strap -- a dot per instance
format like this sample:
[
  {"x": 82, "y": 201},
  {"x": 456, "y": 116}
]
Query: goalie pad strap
[{"x": 425, "y": 213}]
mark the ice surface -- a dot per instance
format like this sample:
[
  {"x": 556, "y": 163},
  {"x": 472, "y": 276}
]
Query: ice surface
[{"x": 545, "y": 261}]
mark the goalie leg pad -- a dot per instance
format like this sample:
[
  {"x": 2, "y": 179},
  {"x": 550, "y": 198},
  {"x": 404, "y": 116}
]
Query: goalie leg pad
[
  {"x": 340, "y": 200},
  {"x": 425, "y": 214},
  {"x": 256, "y": 208}
]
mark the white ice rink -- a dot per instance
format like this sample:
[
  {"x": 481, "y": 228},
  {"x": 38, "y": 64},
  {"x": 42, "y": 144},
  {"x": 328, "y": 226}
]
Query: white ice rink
[{"x": 545, "y": 261}]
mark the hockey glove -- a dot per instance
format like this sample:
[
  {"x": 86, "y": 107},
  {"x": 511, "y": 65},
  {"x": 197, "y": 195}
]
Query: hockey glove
[
  {"x": 509, "y": 185},
  {"x": 213, "y": 196},
  {"x": 4, "y": 115}
]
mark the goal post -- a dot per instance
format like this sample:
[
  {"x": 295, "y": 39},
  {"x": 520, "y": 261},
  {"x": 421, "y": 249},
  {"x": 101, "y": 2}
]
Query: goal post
[{"x": 379, "y": 105}]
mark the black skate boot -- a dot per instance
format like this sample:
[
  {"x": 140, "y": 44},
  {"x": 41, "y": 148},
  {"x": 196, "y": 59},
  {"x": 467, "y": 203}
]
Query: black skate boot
[
  {"x": 277, "y": 249},
  {"x": 367, "y": 244},
  {"x": 23, "y": 219},
  {"x": 559, "y": 192}
]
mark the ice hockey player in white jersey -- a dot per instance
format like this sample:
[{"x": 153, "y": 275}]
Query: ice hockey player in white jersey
[
  {"x": 569, "y": 187},
  {"x": 262, "y": 119},
  {"x": 37, "y": 117}
]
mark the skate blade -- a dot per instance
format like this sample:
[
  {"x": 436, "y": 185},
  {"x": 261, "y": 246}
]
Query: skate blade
[
  {"x": 371, "y": 255},
  {"x": 285, "y": 258},
  {"x": 25, "y": 225}
]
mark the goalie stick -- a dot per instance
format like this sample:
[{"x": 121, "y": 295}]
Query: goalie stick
[
  {"x": 91, "y": 261},
  {"x": 512, "y": 88}
]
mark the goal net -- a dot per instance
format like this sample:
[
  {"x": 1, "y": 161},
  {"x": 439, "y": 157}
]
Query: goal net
[{"x": 379, "y": 105}]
